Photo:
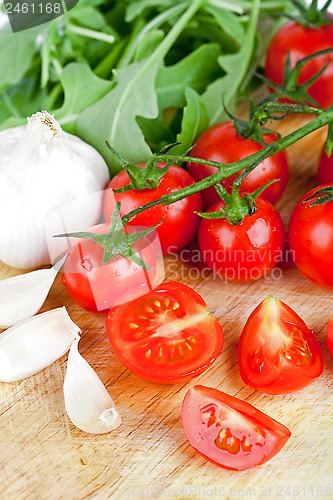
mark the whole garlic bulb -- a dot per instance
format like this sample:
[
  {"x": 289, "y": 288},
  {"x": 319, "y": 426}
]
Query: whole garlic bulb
[{"x": 41, "y": 169}]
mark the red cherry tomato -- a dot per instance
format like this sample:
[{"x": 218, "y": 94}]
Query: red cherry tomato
[
  {"x": 229, "y": 432},
  {"x": 97, "y": 287},
  {"x": 180, "y": 223},
  {"x": 277, "y": 353},
  {"x": 301, "y": 41},
  {"x": 244, "y": 252},
  {"x": 222, "y": 143},
  {"x": 167, "y": 335},
  {"x": 329, "y": 336},
  {"x": 325, "y": 168},
  {"x": 310, "y": 238}
]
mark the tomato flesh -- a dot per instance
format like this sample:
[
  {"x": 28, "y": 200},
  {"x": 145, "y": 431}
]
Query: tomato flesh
[
  {"x": 167, "y": 335},
  {"x": 277, "y": 352},
  {"x": 229, "y": 432},
  {"x": 222, "y": 143}
]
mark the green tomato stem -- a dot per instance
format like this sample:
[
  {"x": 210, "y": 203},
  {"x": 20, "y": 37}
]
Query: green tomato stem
[{"x": 226, "y": 170}]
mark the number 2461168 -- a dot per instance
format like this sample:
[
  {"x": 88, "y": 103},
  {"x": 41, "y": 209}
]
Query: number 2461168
[{"x": 33, "y": 8}]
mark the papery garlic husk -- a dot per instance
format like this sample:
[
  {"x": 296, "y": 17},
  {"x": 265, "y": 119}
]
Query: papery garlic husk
[
  {"x": 35, "y": 343},
  {"x": 88, "y": 403},
  {"x": 22, "y": 296},
  {"x": 41, "y": 169}
]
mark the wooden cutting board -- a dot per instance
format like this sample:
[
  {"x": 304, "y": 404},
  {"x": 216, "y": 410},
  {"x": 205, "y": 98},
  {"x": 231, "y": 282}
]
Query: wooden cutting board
[{"x": 43, "y": 456}]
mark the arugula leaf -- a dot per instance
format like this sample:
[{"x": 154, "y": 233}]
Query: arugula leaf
[
  {"x": 195, "y": 121},
  {"x": 228, "y": 23},
  {"x": 82, "y": 89},
  {"x": 156, "y": 132},
  {"x": 225, "y": 89},
  {"x": 138, "y": 73},
  {"x": 196, "y": 70},
  {"x": 148, "y": 44},
  {"x": 114, "y": 116},
  {"x": 17, "y": 51},
  {"x": 136, "y": 8}
]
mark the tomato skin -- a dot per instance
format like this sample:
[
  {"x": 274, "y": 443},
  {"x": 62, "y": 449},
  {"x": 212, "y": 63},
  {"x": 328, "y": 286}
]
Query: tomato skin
[
  {"x": 229, "y": 432},
  {"x": 325, "y": 168},
  {"x": 222, "y": 143},
  {"x": 329, "y": 336},
  {"x": 310, "y": 239},
  {"x": 180, "y": 223},
  {"x": 166, "y": 336},
  {"x": 277, "y": 352},
  {"x": 301, "y": 41},
  {"x": 244, "y": 252},
  {"x": 96, "y": 287}
]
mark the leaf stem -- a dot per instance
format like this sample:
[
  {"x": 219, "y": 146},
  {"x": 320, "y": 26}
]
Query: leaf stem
[
  {"x": 155, "y": 22},
  {"x": 226, "y": 170},
  {"x": 88, "y": 33}
]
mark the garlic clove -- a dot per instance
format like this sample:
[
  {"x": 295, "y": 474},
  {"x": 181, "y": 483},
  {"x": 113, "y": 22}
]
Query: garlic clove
[
  {"x": 88, "y": 404},
  {"x": 35, "y": 343},
  {"x": 22, "y": 296}
]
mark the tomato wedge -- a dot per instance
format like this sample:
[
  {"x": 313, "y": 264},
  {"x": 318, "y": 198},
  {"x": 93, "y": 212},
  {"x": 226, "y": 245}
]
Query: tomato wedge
[
  {"x": 277, "y": 352},
  {"x": 167, "y": 335},
  {"x": 229, "y": 432}
]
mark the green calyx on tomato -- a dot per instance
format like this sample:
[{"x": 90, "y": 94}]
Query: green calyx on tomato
[
  {"x": 146, "y": 176},
  {"x": 310, "y": 16},
  {"x": 291, "y": 89},
  {"x": 116, "y": 241},
  {"x": 236, "y": 207},
  {"x": 253, "y": 128}
]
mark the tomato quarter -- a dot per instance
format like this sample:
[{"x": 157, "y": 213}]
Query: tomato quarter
[
  {"x": 167, "y": 335},
  {"x": 277, "y": 352},
  {"x": 229, "y": 432}
]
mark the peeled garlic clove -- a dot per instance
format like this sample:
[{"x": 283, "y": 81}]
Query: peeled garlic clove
[
  {"x": 35, "y": 343},
  {"x": 22, "y": 296},
  {"x": 88, "y": 404}
]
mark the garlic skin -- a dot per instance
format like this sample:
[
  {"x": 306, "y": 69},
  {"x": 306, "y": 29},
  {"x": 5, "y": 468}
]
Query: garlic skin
[
  {"x": 88, "y": 403},
  {"x": 22, "y": 296},
  {"x": 35, "y": 343},
  {"x": 41, "y": 169}
]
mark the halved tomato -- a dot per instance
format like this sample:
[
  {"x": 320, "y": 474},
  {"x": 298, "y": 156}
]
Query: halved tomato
[
  {"x": 277, "y": 352},
  {"x": 228, "y": 431},
  {"x": 167, "y": 335}
]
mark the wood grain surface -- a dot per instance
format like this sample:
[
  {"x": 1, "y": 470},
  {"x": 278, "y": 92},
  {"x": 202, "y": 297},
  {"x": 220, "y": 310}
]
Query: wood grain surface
[{"x": 43, "y": 456}]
